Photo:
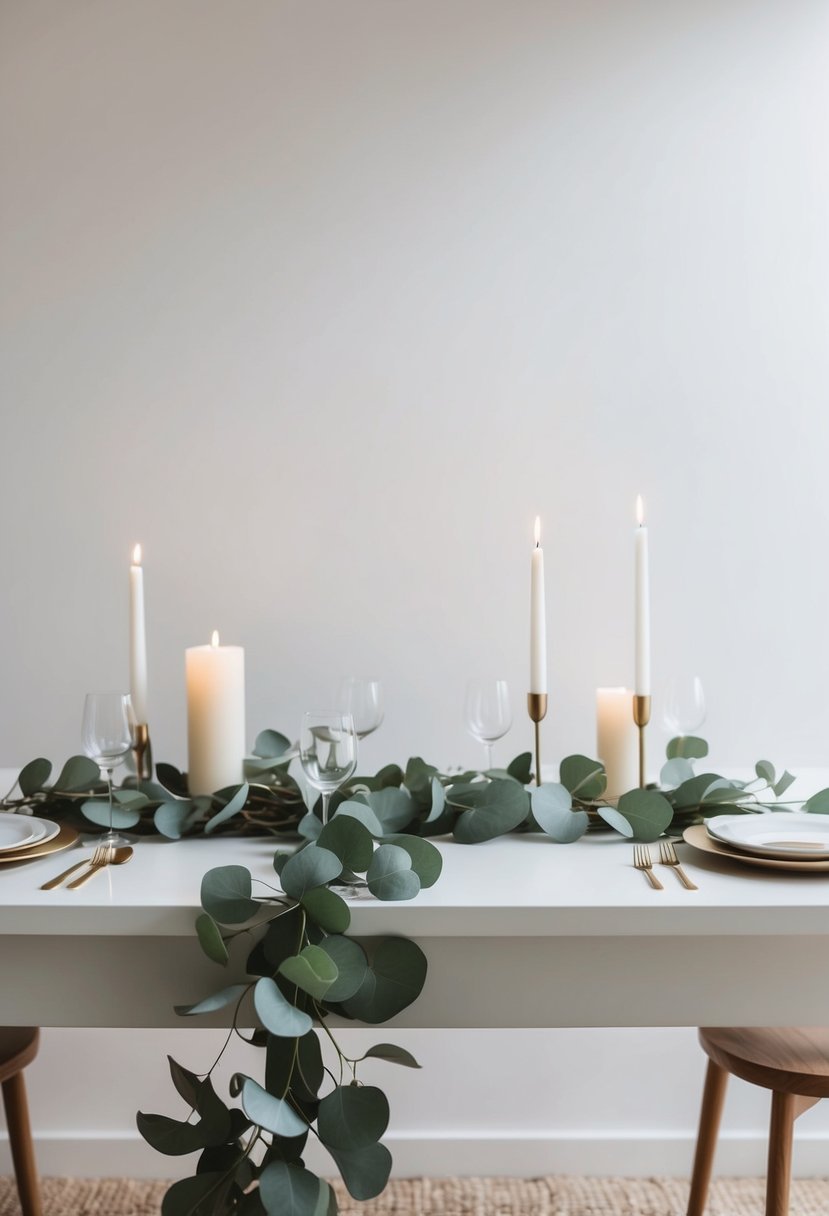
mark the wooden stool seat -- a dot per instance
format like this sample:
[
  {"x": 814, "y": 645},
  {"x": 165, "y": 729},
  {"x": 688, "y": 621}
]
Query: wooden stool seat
[
  {"x": 793, "y": 1064},
  {"x": 18, "y": 1047}
]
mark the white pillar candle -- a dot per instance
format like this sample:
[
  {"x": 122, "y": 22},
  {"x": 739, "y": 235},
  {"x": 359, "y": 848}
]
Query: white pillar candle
[
  {"x": 643, "y": 605},
  {"x": 215, "y": 716},
  {"x": 138, "y": 639},
  {"x": 538, "y": 620},
  {"x": 617, "y": 740}
]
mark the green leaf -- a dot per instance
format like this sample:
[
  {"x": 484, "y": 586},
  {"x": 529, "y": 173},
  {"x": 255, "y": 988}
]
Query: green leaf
[
  {"x": 614, "y": 820},
  {"x": 297, "y": 1062},
  {"x": 395, "y": 978},
  {"x": 520, "y": 769},
  {"x": 169, "y": 1136},
  {"x": 438, "y": 800},
  {"x": 172, "y": 779},
  {"x": 723, "y": 791},
  {"x": 675, "y": 772},
  {"x": 96, "y": 810},
  {"x": 391, "y": 774},
  {"x": 173, "y": 818},
  {"x": 309, "y": 826},
  {"x": 584, "y": 778},
  {"x": 419, "y": 774},
  {"x": 78, "y": 773},
  {"x": 270, "y": 744},
  {"x": 198, "y": 1196},
  {"x": 291, "y": 1190},
  {"x": 226, "y": 895},
  {"x": 33, "y": 776},
  {"x": 210, "y": 938},
  {"x": 390, "y": 875},
  {"x": 501, "y": 807},
  {"x": 216, "y": 1000},
  {"x": 690, "y": 793},
  {"x": 783, "y": 783},
  {"x": 274, "y": 1114},
  {"x": 187, "y": 1083},
  {"x": 312, "y": 970},
  {"x": 352, "y": 1116},
  {"x": 647, "y": 812},
  {"x": 427, "y": 861},
  {"x": 283, "y": 936},
  {"x": 818, "y": 804},
  {"x": 352, "y": 966},
  {"x": 393, "y": 807},
  {"x": 311, "y": 867},
  {"x": 765, "y": 771},
  {"x": 392, "y": 1053},
  {"x": 350, "y": 840},
  {"x": 689, "y": 747},
  {"x": 276, "y": 1013},
  {"x": 552, "y": 808},
  {"x": 362, "y": 813},
  {"x": 365, "y": 1171},
  {"x": 229, "y": 809},
  {"x": 327, "y": 909}
]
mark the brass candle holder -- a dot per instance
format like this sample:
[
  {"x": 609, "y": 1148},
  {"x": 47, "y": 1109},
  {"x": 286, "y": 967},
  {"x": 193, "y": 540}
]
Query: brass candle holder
[
  {"x": 537, "y": 709},
  {"x": 142, "y": 753},
  {"x": 641, "y": 716}
]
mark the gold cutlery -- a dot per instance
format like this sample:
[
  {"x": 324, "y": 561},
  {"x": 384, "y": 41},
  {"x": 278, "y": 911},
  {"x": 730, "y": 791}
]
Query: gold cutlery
[
  {"x": 668, "y": 857},
  {"x": 98, "y": 857},
  {"x": 112, "y": 857},
  {"x": 642, "y": 861}
]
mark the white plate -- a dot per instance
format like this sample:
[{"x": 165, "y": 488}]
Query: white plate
[
  {"x": 23, "y": 831},
  {"x": 775, "y": 834}
]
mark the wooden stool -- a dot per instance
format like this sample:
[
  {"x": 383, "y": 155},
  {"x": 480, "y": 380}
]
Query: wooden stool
[
  {"x": 18, "y": 1047},
  {"x": 794, "y": 1065}
]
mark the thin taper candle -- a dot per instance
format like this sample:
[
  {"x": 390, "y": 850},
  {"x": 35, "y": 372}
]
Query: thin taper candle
[
  {"x": 138, "y": 639},
  {"x": 643, "y": 608},
  {"x": 538, "y": 621}
]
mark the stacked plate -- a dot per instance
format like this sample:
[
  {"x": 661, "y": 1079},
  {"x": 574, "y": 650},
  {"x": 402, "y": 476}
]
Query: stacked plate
[
  {"x": 787, "y": 840},
  {"x": 25, "y": 836}
]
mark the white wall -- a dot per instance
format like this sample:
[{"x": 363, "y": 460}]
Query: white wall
[{"x": 323, "y": 302}]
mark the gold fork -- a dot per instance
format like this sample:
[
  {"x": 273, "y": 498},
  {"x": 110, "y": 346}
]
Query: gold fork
[
  {"x": 97, "y": 858},
  {"x": 100, "y": 858},
  {"x": 642, "y": 861},
  {"x": 668, "y": 857}
]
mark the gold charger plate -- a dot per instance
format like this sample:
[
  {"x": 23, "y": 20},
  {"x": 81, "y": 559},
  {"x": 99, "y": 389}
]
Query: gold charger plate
[
  {"x": 65, "y": 837},
  {"x": 697, "y": 837}
]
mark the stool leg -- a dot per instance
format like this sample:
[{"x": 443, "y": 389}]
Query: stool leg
[
  {"x": 20, "y": 1140},
  {"x": 783, "y": 1115},
  {"x": 713, "y": 1096}
]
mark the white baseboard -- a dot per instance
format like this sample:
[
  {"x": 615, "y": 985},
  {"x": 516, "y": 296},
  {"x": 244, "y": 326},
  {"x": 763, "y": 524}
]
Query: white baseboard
[{"x": 517, "y": 1155}]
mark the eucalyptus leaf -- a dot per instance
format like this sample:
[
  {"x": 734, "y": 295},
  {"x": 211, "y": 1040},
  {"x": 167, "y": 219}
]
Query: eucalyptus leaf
[
  {"x": 312, "y": 970},
  {"x": 552, "y": 808},
  {"x": 690, "y": 793},
  {"x": 584, "y": 778},
  {"x": 276, "y": 1013},
  {"x": 395, "y": 978},
  {"x": 173, "y": 818},
  {"x": 172, "y": 779},
  {"x": 170, "y": 1136},
  {"x": 365, "y": 1171},
  {"x": 229, "y": 810},
  {"x": 438, "y": 800},
  {"x": 393, "y": 807},
  {"x": 197, "y": 1196},
  {"x": 350, "y": 840},
  {"x": 818, "y": 804},
  {"x": 33, "y": 776},
  {"x": 294, "y": 1064},
  {"x": 210, "y": 938},
  {"x": 216, "y": 1000},
  {"x": 78, "y": 773},
  {"x": 309, "y": 868},
  {"x": 309, "y": 826},
  {"x": 647, "y": 812},
  {"x": 290, "y": 1190},
  {"x": 427, "y": 861},
  {"x": 270, "y": 745},
  {"x": 419, "y": 774},
  {"x": 391, "y": 774},
  {"x": 688, "y": 747},
  {"x": 352, "y": 966},
  {"x": 520, "y": 769},
  {"x": 765, "y": 770},
  {"x": 783, "y": 783},
  {"x": 96, "y": 810},
  {"x": 327, "y": 909},
  {"x": 226, "y": 895},
  {"x": 676, "y": 771},
  {"x": 352, "y": 1116},
  {"x": 615, "y": 820},
  {"x": 390, "y": 875},
  {"x": 273, "y": 1114},
  {"x": 391, "y": 1053},
  {"x": 503, "y": 805},
  {"x": 356, "y": 809}
]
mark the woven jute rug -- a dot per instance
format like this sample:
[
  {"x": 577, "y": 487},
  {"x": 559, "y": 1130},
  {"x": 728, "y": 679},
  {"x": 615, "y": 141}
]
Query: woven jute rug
[{"x": 456, "y": 1197}]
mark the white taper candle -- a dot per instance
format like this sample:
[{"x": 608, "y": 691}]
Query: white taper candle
[
  {"x": 643, "y": 605},
  {"x": 138, "y": 639},
  {"x": 538, "y": 620}
]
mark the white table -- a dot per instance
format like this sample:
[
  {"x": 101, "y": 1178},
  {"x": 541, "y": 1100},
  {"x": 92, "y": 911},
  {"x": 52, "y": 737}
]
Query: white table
[{"x": 519, "y": 932}]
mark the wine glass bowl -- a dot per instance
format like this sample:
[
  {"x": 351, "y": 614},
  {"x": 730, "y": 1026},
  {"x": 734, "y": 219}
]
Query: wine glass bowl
[
  {"x": 685, "y": 709},
  {"x": 488, "y": 712},
  {"x": 363, "y": 699},
  {"x": 327, "y": 752},
  {"x": 107, "y": 736}
]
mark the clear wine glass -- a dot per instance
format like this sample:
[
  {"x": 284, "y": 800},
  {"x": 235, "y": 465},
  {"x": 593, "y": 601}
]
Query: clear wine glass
[
  {"x": 685, "y": 709},
  {"x": 327, "y": 752},
  {"x": 363, "y": 699},
  {"x": 107, "y": 733},
  {"x": 488, "y": 712}
]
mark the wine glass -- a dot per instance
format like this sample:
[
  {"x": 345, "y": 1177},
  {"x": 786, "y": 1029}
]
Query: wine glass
[
  {"x": 488, "y": 712},
  {"x": 685, "y": 709},
  {"x": 107, "y": 734},
  {"x": 363, "y": 699},
  {"x": 327, "y": 752}
]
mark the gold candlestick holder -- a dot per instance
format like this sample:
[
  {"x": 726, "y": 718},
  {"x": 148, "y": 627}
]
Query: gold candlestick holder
[
  {"x": 142, "y": 753},
  {"x": 641, "y": 716},
  {"x": 537, "y": 709}
]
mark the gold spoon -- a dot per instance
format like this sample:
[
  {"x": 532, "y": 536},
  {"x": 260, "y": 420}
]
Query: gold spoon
[{"x": 116, "y": 858}]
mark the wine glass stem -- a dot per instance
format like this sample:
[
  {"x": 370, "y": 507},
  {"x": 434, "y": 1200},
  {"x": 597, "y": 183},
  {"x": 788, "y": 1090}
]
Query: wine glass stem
[
  {"x": 326, "y": 798},
  {"x": 488, "y": 747},
  {"x": 109, "y": 787}
]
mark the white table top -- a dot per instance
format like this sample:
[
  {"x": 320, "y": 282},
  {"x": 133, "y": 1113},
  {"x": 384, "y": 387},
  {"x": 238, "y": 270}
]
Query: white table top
[{"x": 512, "y": 887}]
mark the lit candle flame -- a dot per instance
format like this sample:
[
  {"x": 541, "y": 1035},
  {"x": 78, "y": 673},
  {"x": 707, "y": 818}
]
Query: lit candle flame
[
  {"x": 214, "y": 641},
  {"x": 640, "y": 510},
  {"x": 136, "y": 556},
  {"x": 537, "y": 531}
]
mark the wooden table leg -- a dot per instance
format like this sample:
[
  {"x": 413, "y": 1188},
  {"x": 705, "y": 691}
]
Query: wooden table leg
[
  {"x": 783, "y": 1115},
  {"x": 713, "y": 1096},
  {"x": 20, "y": 1141}
]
